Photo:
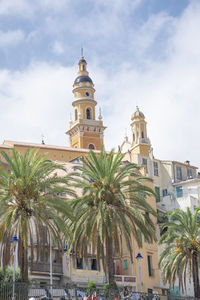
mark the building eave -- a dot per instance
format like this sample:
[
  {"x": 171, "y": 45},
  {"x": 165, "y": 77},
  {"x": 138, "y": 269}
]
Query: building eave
[{"x": 12, "y": 144}]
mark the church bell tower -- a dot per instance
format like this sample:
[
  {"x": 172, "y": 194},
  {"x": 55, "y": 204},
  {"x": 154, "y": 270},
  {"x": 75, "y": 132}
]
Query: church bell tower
[
  {"x": 85, "y": 130},
  {"x": 140, "y": 141}
]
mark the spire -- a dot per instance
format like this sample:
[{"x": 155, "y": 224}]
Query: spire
[
  {"x": 126, "y": 136},
  {"x": 100, "y": 115}
]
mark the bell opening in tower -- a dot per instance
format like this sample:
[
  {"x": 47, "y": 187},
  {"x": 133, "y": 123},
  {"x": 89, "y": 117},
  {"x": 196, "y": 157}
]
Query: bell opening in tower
[
  {"x": 88, "y": 114},
  {"x": 91, "y": 147}
]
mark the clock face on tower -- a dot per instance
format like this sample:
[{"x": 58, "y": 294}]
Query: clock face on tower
[{"x": 87, "y": 94}]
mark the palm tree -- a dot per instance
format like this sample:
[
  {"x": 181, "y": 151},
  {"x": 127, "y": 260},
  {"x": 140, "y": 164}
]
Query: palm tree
[
  {"x": 182, "y": 248},
  {"x": 30, "y": 201},
  {"x": 112, "y": 205}
]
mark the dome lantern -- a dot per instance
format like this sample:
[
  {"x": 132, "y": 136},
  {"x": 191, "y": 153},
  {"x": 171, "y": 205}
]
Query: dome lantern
[{"x": 137, "y": 114}]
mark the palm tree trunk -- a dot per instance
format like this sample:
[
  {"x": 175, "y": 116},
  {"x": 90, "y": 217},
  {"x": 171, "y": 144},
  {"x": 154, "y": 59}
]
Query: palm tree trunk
[
  {"x": 110, "y": 262},
  {"x": 23, "y": 262},
  {"x": 195, "y": 273}
]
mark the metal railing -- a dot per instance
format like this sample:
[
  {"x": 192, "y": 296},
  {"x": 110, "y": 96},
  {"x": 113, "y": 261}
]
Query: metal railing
[
  {"x": 26, "y": 291},
  {"x": 45, "y": 267}
]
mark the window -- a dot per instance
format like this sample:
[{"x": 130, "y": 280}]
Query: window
[
  {"x": 149, "y": 260},
  {"x": 140, "y": 236},
  {"x": 76, "y": 114},
  {"x": 44, "y": 256},
  {"x": 43, "y": 234},
  {"x": 144, "y": 163},
  {"x": 155, "y": 168},
  {"x": 157, "y": 191},
  {"x": 125, "y": 264},
  {"x": 179, "y": 191},
  {"x": 94, "y": 264},
  {"x": 114, "y": 269},
  {"x": 91, "y": 146},
  {"x": 179, "y": 173},
  {"x": 189, "y": 173},
  {"x": 79, "y": 263},
  {"x": 142, "y": 194},
  {"x": 88, "y": 114},
  {"x": 163, "y": 231},
  {"x": 87, "y": 94},
  {"x": 142, "y": 134},
  {"x": 165, "y": 193}
]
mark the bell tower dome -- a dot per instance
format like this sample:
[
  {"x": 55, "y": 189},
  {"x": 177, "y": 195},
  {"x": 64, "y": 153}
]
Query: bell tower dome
[{"x": 85, "y": 131}]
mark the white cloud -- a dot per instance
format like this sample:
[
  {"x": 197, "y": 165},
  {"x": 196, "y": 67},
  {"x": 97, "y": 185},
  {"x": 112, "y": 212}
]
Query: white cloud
[
  {"x": 145, "y": 36},
  {"x": 52, "y": 4},
  {"x": 35, "y": 99},
  {"x": 107, "y": 18},
  {"x": 58, "y": 48},
  {"x": 11, "y": 38},
  {"x": 10, "y": 7}
]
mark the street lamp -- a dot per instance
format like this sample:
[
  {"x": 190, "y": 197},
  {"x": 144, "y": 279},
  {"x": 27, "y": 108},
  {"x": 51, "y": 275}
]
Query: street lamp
[
  {"x": 14, "y": 241},
  {"x": 51, "y": 266},
  {"x": 139, "y": 257}
]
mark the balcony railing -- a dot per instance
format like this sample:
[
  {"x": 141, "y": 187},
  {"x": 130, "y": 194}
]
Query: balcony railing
[
  {"x": 45, "y": 267},
  {"x": 125, "y": 280}
]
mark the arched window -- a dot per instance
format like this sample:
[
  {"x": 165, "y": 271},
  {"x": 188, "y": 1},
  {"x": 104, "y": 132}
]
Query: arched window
[
  {"x": 88, "y": 114},
  {"x": 91, "y": 146},
  {"x": 76, "y": 114},
  {"x": 133, "y": 137},
  {"x": 142, "y": 134}
]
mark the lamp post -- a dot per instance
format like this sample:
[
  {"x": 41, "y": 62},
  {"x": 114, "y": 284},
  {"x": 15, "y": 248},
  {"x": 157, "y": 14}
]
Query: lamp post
[
  {"x": 139, "y": 258},
  {"x": 51, "y": 266},
  {"x": 14, "y": 241}
]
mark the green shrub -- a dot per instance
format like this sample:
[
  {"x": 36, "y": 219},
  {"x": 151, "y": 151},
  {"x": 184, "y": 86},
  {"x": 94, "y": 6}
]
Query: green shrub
[
  {"x": 8, "y": 275},
  {"x": 91, "y": 288},
  {"x": 106, "y": 289}
]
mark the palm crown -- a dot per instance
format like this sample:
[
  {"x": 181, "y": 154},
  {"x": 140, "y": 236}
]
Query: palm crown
[
  {"x": 182, "y": 247},
  {"x": 112, "y": 204},
  {"x": 29, "y": 201}
]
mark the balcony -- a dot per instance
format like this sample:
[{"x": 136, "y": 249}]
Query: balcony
[
  {"x": 125, "y": 280},
  {"x": 42, "y": 267}
]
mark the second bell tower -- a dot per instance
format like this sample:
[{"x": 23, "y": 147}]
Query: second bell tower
[{"x": 85, "y": 131}]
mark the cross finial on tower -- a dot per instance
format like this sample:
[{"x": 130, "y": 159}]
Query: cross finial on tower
[
  {"x": 126, "y": 136},
  {"x": 100, "y": 116},
  {"x": 43, "y": 143},
  {"x": 81, "y": 51}
]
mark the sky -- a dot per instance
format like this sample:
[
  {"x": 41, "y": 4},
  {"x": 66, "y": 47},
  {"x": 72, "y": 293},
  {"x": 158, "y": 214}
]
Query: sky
[{"x": 139, "y": 52}]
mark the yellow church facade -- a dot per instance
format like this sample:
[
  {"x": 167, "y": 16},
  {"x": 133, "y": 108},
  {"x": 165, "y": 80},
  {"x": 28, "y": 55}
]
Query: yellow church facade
[{"x": 86, "y": 132}]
